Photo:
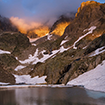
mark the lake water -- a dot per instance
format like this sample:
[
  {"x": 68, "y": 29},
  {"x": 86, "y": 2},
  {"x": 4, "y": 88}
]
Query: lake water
[{"x": 51, "y": 96}]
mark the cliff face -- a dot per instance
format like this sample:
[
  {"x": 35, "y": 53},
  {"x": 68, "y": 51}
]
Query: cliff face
[
  {"x": 92, "y": 14},
  {"x": 84, "y": 4},
  {"x": 80, "y": 49}
]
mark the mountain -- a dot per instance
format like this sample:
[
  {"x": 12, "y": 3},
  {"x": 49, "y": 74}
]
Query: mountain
[
  {"x": 81, "y": 48},
  {"x": 6, "y": 25},
  {"x": 59, "y": 26},
  {"x": 57, "y": 29}
]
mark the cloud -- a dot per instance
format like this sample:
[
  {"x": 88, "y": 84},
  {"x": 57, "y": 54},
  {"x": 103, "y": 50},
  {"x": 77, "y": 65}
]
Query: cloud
[
  {"x": 22, "y": 24},
  {"x": 38, "y": 10}
]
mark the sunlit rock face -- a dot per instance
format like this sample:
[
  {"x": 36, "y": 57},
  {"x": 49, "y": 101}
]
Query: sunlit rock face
[
  {"x": 83, "y": 4},
  {"x": 60, "y": 25},
  {"x": 38, "y": 32}
]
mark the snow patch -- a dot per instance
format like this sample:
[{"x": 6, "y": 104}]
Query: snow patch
[
  {"x": 32, "y": 39},
  {"x": 16, "y": 58},
  {"x": 28, "y": 80},
  {"x": 66, "y": 37},
  {"x": 4, "y": 52},
  {"x": 64, "y": 41},
  {"x": 31, "y": 58},
  {"x": 62, "y": 49},
  {"x": 93, "y": 80},
  {"x": 34, "y": 59},
  {"x": 98, "y": 51},
  {"x": 2, "y": 83},
  {"x": 84, "y": 47},
  {"x": 19, "y": 67},
  {"x": 49, "y": 37},
  {"x": 33, "y": 44},
  {"x": 54, "y": 56},
  {"x": 90, "y": 31},
  {"x": 45, "y": 57}
]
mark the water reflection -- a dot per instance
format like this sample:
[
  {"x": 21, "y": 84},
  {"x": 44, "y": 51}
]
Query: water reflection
[
  {"x": 51, "y": 96},
  {"x": 7, "y": 97}
]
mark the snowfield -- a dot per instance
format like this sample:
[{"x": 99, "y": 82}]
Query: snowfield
[
  {"x": 33, "y": 44},
  {"x": 93, "y": 80},
  {"x": 19, "y": 67},
  {"x": 64, "y": 41},
  {"x": 49, "y": 37},
  {"x": 28, "y": 80},
  {"x": 32, "y": 39},
  {"x": 34, "y": 59}
]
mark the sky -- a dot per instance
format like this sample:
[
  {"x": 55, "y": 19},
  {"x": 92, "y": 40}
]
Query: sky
[{"x": 44, "y": 11}]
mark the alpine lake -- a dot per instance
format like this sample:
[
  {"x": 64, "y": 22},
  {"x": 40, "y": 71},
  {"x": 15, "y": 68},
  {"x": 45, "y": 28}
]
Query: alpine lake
[{"x": 51, "y": 96}]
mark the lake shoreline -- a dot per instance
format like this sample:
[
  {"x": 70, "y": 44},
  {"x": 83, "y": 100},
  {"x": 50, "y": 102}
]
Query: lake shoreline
[{"x": 46, "y": 86}]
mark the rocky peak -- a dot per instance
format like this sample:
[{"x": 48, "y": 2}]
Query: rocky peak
[
  {"x": 83, "y": 4},
  {"x": 63, "y": 21},
  {"x": 90, "y": 14}
]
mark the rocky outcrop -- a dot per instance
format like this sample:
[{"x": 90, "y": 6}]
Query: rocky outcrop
[
  {"x": 82, "y": 66},
  {"x": 13, "y": 42},
  {"x": 84, "y": 4},
  {"x": 62, "y": 23},
  {"x": 9, "y": 62},
  {"x": 6, "y": 76},
  {"x": 95, "y": 44}
]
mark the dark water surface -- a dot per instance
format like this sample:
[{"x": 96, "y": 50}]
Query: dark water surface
[{"x": 51, "y": 96}]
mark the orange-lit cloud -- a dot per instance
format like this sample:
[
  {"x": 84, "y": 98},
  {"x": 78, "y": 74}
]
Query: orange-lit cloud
[
  {"x": 40, "y": 31},
  {"x": 22, "y": 26},
  {"x": 34, "y": 29},
  {"x": 29, "y": 28}
]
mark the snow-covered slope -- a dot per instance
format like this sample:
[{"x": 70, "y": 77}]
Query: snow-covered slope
[
  {"x": 93, "y": 80},
  {"x": 28, "y": 80}
]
